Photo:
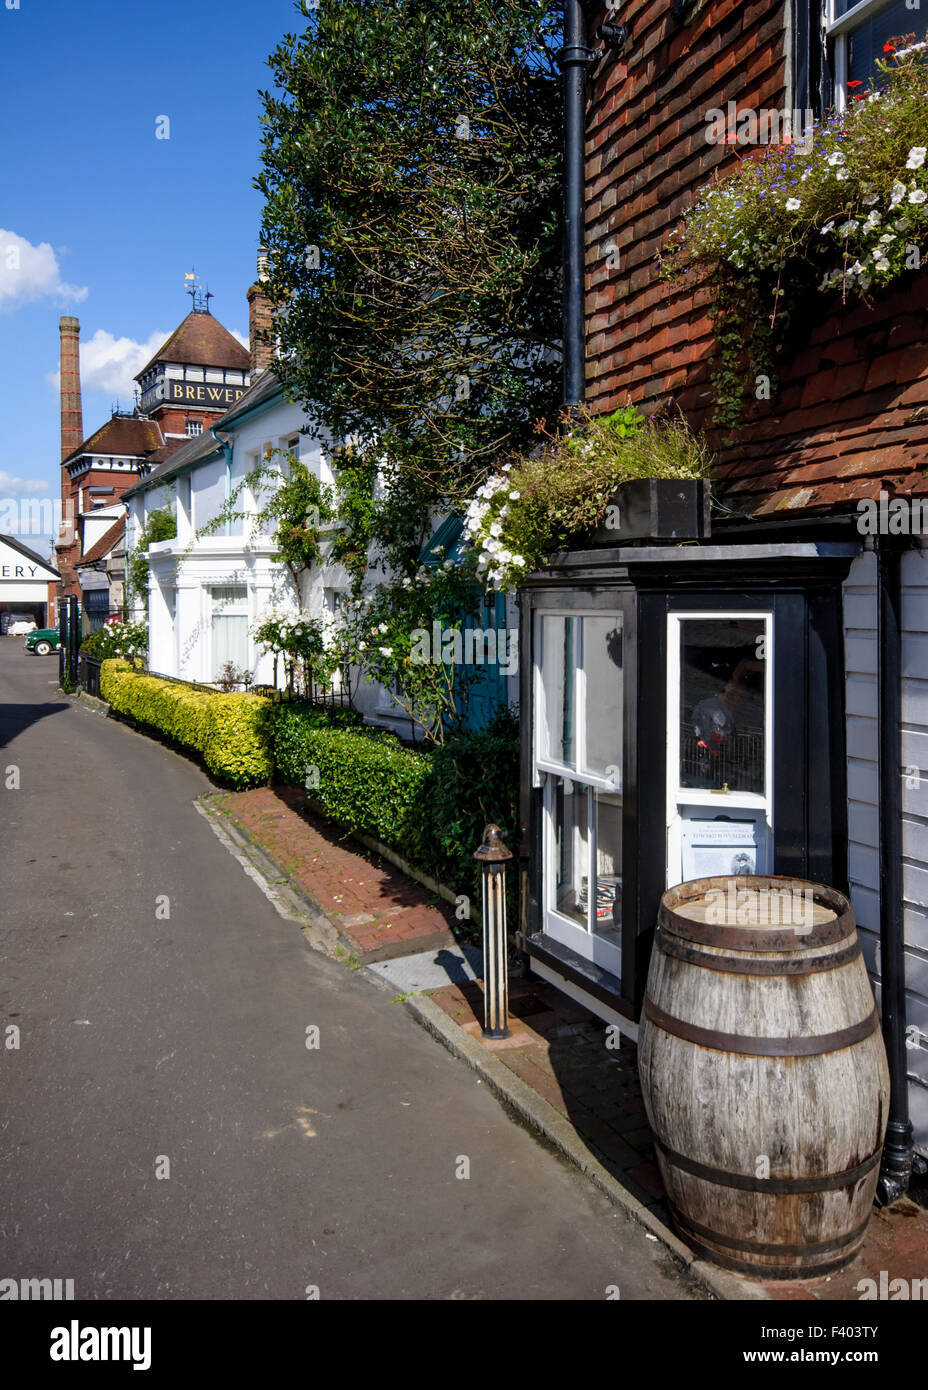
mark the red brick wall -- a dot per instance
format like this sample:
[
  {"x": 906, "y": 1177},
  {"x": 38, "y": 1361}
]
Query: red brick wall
[
  {"x": 72, "y": 429},
  {"x": 67, "y": 559},
  {"x": 647, "y": 152},
  {"x": 841, "y": 421},
  {"x": 173, "y": 419},
  {"x": 260, "y": 328}
]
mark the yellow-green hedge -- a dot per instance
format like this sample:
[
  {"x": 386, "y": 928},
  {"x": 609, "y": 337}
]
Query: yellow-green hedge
[{"x": 231, "y": 732}]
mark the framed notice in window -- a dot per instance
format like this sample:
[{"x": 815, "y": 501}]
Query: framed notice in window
[{"x": 718, "y": 845}]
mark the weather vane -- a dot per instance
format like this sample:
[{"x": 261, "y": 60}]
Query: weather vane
[{"x": 193, "y": 288}]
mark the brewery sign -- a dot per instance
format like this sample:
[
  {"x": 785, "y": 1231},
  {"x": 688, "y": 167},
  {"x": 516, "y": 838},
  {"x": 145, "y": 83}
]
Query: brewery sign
[{"x": 203, "y": 393}]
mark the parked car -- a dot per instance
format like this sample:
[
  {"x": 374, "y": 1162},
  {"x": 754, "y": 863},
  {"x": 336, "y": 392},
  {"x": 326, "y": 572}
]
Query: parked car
[
  {"x": 20, "y": 624},
  {"x": 42, "y": 641}
]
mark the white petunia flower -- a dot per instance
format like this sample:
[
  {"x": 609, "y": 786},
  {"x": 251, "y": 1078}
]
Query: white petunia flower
[
  {"x": 918, "y": 195},
  {"x": 793, "y": 204},
  {"x": 898, "y": 193},
  {"x": 835, "y": 158},
  {"x": 841, "y": 174},
  {"x": 514, "y": 494},
  {"x": 385, "y": 651},
  {"x": 916, "y": 157}
]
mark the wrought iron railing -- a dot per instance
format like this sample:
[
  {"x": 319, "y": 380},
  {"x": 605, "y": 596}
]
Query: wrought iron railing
[{"x": 88, "y": 675}]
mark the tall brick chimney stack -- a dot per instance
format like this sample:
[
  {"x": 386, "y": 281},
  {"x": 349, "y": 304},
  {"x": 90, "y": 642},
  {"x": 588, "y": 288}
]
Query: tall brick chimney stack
[
  {"x": 72, "y": 419},
  {"x": 260, "y": 319}
]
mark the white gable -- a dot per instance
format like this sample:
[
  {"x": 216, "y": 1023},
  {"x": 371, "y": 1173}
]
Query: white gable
[{"x": 15, "y": 565}]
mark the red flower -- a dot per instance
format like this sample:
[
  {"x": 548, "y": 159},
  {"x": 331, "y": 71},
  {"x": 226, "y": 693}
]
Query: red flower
[
  {"x": 889, "y": 48},
  {"x": 856, "y": 83}
]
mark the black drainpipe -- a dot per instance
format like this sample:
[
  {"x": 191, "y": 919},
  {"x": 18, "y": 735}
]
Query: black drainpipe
[
  {"x": 898, "y": 1150},
  {"x": 574, "y": 59}
]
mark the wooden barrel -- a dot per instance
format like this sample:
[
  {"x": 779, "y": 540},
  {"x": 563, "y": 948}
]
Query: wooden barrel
[{"x": 764, "y": 1073}]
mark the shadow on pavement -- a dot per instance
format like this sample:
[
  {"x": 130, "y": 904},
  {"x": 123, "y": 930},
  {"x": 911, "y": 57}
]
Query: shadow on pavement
[{"x": 15, "y": 719}]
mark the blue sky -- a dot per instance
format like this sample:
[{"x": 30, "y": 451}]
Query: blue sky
[{"x": 104, "y": 217}]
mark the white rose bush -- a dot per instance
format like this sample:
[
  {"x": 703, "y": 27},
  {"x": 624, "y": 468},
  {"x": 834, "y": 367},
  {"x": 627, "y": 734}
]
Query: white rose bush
[{"x": 301, "y": 641}]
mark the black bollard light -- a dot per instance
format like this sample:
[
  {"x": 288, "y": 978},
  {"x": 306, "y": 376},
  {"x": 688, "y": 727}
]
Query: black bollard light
[{"x": 492, "y": 856}]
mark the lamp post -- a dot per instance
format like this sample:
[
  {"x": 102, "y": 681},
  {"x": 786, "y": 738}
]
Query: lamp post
[{"x": 492, "y": 856}]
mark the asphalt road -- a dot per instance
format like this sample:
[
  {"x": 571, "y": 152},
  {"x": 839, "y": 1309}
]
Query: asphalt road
[{"x": 146, "y": 1038}]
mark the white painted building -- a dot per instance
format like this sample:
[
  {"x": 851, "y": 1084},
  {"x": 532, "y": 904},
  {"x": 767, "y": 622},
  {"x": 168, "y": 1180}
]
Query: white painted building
[
  {"x": 26, "y": 582},
  {"x": 208, "y": 592}
]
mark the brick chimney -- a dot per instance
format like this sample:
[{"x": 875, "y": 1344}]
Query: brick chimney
[
  {"x": 260, "y": 319},
  {"x": 72, "y": 420}
]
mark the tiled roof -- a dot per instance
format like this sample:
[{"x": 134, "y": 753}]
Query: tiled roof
[
  {"x": 850, "y": 417},
  {"x": 201, "y": 447},
  {"x": 263, "y": 387},
  {"x": 201, "y": 341},
  {"x": 105, "y": 544},
  {"x": 124, "y": 435}
]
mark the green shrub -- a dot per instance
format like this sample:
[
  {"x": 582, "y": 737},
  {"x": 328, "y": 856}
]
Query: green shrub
[
  {"x": 112, "y": 676},
  {"x": 230, "y": 732},
  {"x": 474, "y": 783},
  {"x": 429, "y": 807},
  {"x": 237, "y": 746},
  {"x": 290, "y": 724},
  {"x": 367, "y": 783}
]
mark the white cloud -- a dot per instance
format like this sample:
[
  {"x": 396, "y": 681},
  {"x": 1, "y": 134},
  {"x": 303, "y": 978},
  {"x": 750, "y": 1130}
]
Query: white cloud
[
  {"x": 241, "y": 337},
  {"x": 30, "y": 272},
  {"x": 11, "y": 486},
  {"x": 109, "y": 364}
]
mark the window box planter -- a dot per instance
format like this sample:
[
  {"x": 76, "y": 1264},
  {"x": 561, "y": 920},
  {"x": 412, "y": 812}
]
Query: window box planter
[{"x": 656, "y": 509}]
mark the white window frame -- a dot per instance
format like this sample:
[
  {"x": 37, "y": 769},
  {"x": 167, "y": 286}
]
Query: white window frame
[
  {"x": 543, "y": 763},
  {"x": 544, "y": 771},
  {"x": 232, "y": 608},
  {"x": 839, "y": 27},
  {"x": 679, "y": 797}
]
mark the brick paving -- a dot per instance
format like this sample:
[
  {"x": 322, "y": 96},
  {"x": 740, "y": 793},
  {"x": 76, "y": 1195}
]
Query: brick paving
[
  {"x": 379, "y": 910},
  {"x": 557, "y": 1047}
]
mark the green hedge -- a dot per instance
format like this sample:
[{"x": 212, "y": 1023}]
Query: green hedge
[
  {"x": 230, "y": 732},
  {"x": 430, "y": 807},
  {"x": 366, "y": 781},
  {"x": 474, "y": 783}
]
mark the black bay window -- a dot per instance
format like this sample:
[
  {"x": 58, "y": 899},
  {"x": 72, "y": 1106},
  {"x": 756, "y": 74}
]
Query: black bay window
[{"x": 686, "y": 722}]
